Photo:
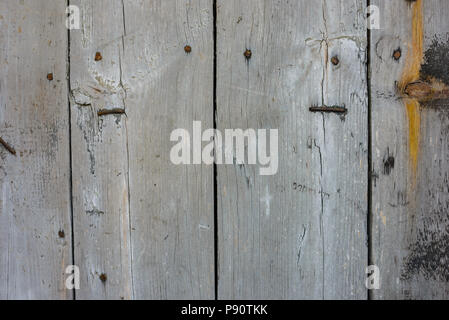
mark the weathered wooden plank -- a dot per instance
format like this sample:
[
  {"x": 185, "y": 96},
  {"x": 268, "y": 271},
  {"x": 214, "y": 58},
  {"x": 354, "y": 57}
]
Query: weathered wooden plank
[
  {"x": 35, "y": 228},
  {"x": 167, "y": 88},
  {"x": 99, "y": 152},
  {"x": 302, "y": 232},
  {"x": 410, "y": 203}
]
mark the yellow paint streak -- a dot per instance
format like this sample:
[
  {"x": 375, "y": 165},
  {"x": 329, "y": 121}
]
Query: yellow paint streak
[
  {"x": 411, "y": 74},
  {"x": 414, "y": 124}
]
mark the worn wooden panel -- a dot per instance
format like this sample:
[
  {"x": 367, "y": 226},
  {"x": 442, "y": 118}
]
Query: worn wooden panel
[
  {"x": 302, "y": 232},
  {"x": 35, "y": 229},
  {"x": 410, "y": 225},
  {"x": 171, "y": 207},
  {"x": 99, "y": 152}
]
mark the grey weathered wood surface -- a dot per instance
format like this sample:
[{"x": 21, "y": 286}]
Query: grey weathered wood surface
[
  {"x": 410, "y": 212},
  {"x": 302, "y": 232},
  {"x": 167, "y": 220},
  {"x": 147, "y": 224},
  {"x": 35, "y": 184},
  {"x": 171, "y": 206},
  {"x": 100, "y": 152}
]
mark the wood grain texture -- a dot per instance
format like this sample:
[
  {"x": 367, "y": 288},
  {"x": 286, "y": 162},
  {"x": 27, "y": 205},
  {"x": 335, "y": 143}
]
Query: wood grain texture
[
  {"x": 35, "y": 183},
  {"x": 302, "y": 232},
  {"x": 89, "y": 114},
  {"x": 171, "y": 207},
  {"x": 100, "y": 152},
  {"x": 410, "y": 198}
]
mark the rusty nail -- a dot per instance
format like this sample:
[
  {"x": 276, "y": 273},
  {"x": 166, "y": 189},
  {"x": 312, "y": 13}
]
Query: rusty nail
[
  {"x": 50, "y": 76},
  {"x": 7, "y": 146},
  {"x": 188, "y": 49},
  {"x": 335, "y": 61},
  {"x": 334, "y": 109},
  {"x": 247, "y": 54},
  {"x": 103, "y": 277},
  {"x": 397, "y": 54},
  {"x": 98, "y": 56},
  {"x": 104, "y": 112},
  {"x": 61, "y": 233}
]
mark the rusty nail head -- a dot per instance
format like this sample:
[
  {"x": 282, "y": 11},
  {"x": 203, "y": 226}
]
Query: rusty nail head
[
  {"x": 335, "y": 61},
  {"x": 61, "y": 233},
  {"x": 397, "y": 54},
  {"x": 103, "y": 277},
  {"x": 98, "y": 56},
  {"x": 50, "y": 77},
  {"x": 248, "y": 54},
  {"x": 188, "y": 49}
]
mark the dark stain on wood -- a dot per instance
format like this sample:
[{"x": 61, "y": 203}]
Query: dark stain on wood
[
  {"x": 388, "y": 162},
  {"x": 429, "y": 254},
  {"x": 432, "y": 89},
  {"x": 95, "y": 212},
  {"x": 436, "y": 61}
]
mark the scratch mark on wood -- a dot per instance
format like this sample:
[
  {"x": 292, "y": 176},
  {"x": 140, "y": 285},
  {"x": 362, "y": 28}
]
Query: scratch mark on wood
[{"x": 301, "y": 241}]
